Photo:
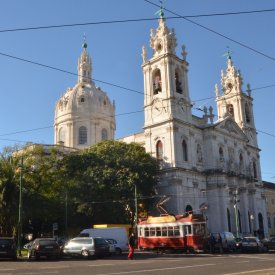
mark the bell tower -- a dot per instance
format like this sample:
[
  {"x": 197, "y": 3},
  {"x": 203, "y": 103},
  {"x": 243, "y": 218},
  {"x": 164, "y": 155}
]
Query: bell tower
[
  {"x": 236, "y": 103},
  {"x": 165, "y": 78}
]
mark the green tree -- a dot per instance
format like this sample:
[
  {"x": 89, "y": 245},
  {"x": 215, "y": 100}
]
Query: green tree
[
  {"x": 102, "y": 180},
  {"x": 8, "y": 194}
]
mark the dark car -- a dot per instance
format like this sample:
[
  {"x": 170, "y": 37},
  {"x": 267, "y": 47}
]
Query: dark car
[
  {"x": 44, "y": 247},
  {"x": 223, "y": 241},
  {"x": 252, "y": 244},
  {"x": 8, "y": 248},
  {"x": 238, "y": 244},
  {"x": 269, "y": 244},
  {"x": 86, "y": 247}
]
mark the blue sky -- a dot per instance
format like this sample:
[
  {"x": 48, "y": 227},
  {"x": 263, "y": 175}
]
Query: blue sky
[{"x": 29, "y": 92}]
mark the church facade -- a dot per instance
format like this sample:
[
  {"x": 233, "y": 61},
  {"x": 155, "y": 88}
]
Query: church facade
[{"x": 209, "y": 164}]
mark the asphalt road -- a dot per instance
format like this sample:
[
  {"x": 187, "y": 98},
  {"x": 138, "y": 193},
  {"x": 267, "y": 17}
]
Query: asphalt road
[{"x": 148, "y": 263}]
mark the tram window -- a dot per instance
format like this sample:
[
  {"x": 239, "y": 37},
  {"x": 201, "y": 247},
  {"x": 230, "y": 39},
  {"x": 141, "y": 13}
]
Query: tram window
[
  {"x": 199, "y": 229},
  {"x": 170, "y": 231},
  {"x": 152, "y": 231},
  {"x": 164, "y": 231},
  {"x": 187, "y": 230},
  {"x": 146, "y": 231},
  {"x": 158, "y": 231},
  {"x": 177, "y": 231},
  {"x": 196, "y": 229}
]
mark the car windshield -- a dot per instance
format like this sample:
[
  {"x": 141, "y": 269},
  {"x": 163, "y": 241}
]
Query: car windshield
[
  {"x": 250, "y": 240},
  {"x": 100, "y": 241},
  {"x": 47, "y": 242},
  {"x": 111, "y": 241}
]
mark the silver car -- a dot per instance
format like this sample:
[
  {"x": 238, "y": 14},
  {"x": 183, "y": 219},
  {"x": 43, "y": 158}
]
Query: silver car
[{"x": 86, "y": 247}]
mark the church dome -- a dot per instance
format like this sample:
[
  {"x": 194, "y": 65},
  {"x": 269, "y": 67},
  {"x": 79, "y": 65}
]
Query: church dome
[{"x": 84, "y": 115}]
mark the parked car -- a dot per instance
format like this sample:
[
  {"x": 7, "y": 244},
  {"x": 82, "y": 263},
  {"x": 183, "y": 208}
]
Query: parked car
[
  {"x": 252, "y": 244},
  {"x": 8, "y": 248},
  {"x": 44, "y": 247},
  {"x": 238, "y": 244},
  {"x": 86, "y": 247},
  {"x": 114, "y": 246},
  {"x": 269, "y": 244},
  {"x": 223, "y": 241},
  {"x": 116, "y": 233}
]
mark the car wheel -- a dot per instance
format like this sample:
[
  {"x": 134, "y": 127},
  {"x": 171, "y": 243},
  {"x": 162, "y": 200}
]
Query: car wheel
[
  {"x": 85, "y": 253},
  {"x": 37, "y": 257},
  {"x": 118, "y": 251}
]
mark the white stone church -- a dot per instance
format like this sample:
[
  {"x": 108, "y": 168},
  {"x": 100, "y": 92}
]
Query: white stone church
[{"x": 208, "y": 164}]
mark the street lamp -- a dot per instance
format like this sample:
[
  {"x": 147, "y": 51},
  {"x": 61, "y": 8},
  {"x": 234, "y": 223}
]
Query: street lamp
[
  {"x": 136, "y": 208},
  {"x": 252, "y": 224},
  {"x": 235, "y": 201}
]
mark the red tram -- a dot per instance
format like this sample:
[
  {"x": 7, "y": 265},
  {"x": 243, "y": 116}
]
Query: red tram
[{"x": 172, "y": 232}]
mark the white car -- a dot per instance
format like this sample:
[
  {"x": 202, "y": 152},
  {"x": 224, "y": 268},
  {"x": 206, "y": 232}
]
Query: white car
[{"x": 114, "y": 247}]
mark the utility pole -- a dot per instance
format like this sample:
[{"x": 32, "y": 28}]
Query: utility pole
[
  {"x": 66, "y": 214},
  {"x": 19, "y": 239},
  {"x": 136, "y": 207},
  {"x": 235, "y": 201}
]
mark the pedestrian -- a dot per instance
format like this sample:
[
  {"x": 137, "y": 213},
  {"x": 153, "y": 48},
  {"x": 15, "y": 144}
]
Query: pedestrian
[{"x": 131, "y": 244}]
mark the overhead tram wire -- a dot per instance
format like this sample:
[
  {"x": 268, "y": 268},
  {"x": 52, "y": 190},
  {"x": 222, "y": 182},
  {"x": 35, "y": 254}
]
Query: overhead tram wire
[
  {"x": 132, "y": 20},
  {"x": 127, "y": 113},
  {"x": 48, "y": 127},
  {"x": 215, "y": 32},
  {"x": 67, "y": 72},
  {"x": 97, "y": 80}
]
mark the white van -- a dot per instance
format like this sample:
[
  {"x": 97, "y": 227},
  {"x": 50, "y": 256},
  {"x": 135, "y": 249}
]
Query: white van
[{"x": 118, "y": 234}]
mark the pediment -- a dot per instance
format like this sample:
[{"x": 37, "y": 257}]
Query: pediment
[{"x": 229, "y": 126}]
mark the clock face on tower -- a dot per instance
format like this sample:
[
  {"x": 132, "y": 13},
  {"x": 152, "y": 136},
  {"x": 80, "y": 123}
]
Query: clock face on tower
[{"x": 157, "y": 107}]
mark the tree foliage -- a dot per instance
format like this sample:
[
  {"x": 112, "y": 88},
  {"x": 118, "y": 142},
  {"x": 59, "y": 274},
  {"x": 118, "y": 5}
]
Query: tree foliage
[
  {"x": 99, "y": 183},
  {"x": 103, "y": 180}
]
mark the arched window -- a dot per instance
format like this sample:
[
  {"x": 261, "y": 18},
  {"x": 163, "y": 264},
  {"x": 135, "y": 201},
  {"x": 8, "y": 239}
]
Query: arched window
[
  {"x": 247, "y": 113},
  {"x": 159, "y": 150},
  {"x": 239, "y": 221},
  {"x": 221, "y": 154},
  {"x": 82, "y": 99},
  {"x": 230, "y": 109},
  {"x": 255, "y": 170},
  {"x": 104, "y": 134},
  {"x": 184, "y": 150},
  {"x": 188, "y": 209},
  {"x": 228, "y": 220},
  {"x": 157, "y": 82},
  {"x": 178, "y": 83},
  {"x": 62, "y": 135},
  {"x": 82, "y": 135},
  {"x": 261, "y": 225}
]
